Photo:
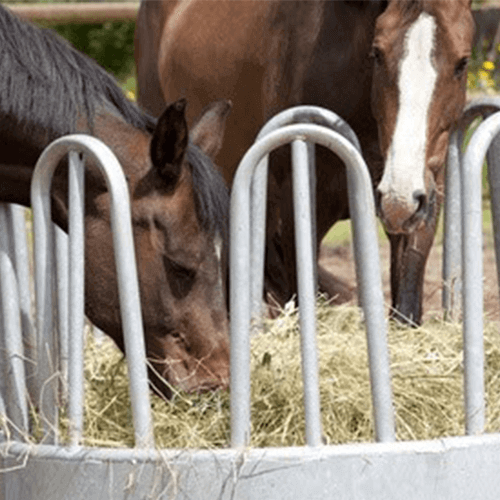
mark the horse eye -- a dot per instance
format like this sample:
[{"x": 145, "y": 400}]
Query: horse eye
[
  {"x": 460, "y": 67},
  {"x": 180, "y": 278},
  {"x": 377, "y": 55}
]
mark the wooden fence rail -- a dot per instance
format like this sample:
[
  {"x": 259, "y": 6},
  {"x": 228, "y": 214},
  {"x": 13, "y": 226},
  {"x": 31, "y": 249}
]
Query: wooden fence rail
[
  {"x": 98, "y": 12},
  {"x": 77, "y": 13}
]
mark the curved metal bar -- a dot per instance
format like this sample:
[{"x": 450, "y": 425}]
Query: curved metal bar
[
  {"x": 473, "y": 271},
  {"x": 367, "y": 265},
  {"x": 314, "y": 115},
  {"x": 124, "y": 256},
  {"x": 452, "y": 257},
  {"x": 298, "y": 114}
]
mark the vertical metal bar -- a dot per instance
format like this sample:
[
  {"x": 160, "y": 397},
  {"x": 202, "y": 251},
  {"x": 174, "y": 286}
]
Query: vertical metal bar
[
  {"x": 258, "y": 240},
  {"x": 3, "y": 409},
  {"x": 3, "y": 368},
  {"x": 306, "y": 289},
  {"x": 493, "y": 157},
  {"x": 452, "y": 227},
  {"x": 76, "y": 297},
  {"x": 240, "y": 301},
  {"x": 46, "y": 351},
  {"x": 130, "y": 305},
  {"x": 63, "y": 292},
  {"x": 473, "y": 272},
  {"x": 17, "y": 410},
  {"x": 369, "y": 277},
  {"x": 22, "y": 267},
  {"x": 311, "y": 159}
]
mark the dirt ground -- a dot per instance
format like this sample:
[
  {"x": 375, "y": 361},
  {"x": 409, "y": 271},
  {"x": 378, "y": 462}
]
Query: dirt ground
[{"x": 340, "y": 261}]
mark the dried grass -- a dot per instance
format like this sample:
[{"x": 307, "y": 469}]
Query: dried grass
[{"x": 427, "y": 385}]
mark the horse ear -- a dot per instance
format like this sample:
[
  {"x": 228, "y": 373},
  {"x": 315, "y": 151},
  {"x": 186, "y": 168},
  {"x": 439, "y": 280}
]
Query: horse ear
[
  {"x": 169, "y": 142},
  {"x": 208, "y": 131}
]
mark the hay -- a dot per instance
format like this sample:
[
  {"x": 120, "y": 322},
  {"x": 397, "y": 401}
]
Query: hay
[{"x": 427, "y": 385}]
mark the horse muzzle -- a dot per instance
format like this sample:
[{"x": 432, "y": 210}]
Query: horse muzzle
[{"x": 403, "y": 215}]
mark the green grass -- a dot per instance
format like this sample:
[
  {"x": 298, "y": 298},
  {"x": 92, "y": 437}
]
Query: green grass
[
  {"x": 340, "y": 234},
  {"x": 129, "y": 86}
]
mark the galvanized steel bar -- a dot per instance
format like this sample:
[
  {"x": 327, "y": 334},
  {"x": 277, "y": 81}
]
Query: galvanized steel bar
[
  {"x": 473, "y": 272},
  {"x": 21, "y": 261},
  {"x": 63, "y": 292},
  {"x": 3, "y": 382},
  {"x": 311, "y": 163},
  {"x": 452, "y": 228},
  {"x": 362, "y": 209},
  {"x": 369, "y": 278},
  {"x": 124, "y": 256},
  {"x": 306, "y": 260},
  {"x": 258, "y": 199},
  {"x": 3, "y": 350},
  {"x": 46, "y": 375},
  {"x": 298, "y": 114},
  {"x": 15, "y": 388},
  {"x": 452, "y": 254},
  {"x": 3, "y": 407},
  {"x": 17, "y": 408},
  {"x": 76, "y": 297},
  {"x": 493, "y": 159},
  {"x": 240, "y": 301}
]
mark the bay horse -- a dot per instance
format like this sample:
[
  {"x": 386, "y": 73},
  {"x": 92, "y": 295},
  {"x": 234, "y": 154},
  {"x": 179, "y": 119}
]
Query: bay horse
[
  {"x": 395, "y": 70},
  {"x": 179, "y": 201}
]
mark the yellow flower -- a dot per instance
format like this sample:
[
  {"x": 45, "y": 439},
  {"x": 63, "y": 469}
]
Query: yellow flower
[
  {"x": 484, "y": 79},
  {"x": 488, "y": 65},
  {"x": 130, "y": 95}
]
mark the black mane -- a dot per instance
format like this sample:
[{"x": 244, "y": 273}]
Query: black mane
[
  {"x": 211, "y": 193},
  {"x": 45, "y": 84}
]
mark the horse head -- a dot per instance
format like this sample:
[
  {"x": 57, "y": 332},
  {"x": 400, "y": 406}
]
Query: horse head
[
  {"x": 420, "y": 53},
  {"x": 179, "y": 215}
]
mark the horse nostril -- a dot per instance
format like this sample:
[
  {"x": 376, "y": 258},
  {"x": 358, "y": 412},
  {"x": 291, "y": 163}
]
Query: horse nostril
[{"x": 421, "y": 198}]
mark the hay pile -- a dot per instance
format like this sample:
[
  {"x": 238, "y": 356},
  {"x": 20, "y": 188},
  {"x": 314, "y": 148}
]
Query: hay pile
[{"x": 427, "y": 385}]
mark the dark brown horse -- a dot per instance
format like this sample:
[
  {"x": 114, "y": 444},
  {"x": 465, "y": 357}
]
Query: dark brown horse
[
  {"x": 179, "y": 201},
  {"x": 395, "y": 70}
]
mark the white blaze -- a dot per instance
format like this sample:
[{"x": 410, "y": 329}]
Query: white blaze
[{"x": 405, "y": 164}]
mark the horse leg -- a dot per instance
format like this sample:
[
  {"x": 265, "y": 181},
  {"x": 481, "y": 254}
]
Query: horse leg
[
  {"x": 330, "y": 173},
  {"x": 409, "y": 255},
  {"x": 276, "y": 283},
  {"x": 336, "y": 290}
]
